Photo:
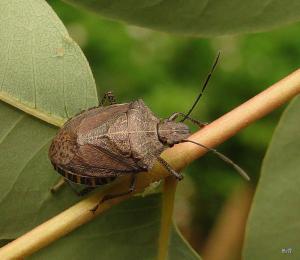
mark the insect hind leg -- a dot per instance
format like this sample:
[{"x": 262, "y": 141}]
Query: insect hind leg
[
  {"x": 174, "y": 116},
  {"x": 109, "y": 96},
  {"x": 116, "y": 195}
]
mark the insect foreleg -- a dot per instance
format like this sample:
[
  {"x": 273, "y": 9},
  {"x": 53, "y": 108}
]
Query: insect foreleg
[
  {"x": 110, "y": 97},
  {"x": 194, "y": 121},
  {"x": 169, "y": 168},
  {"x": 116, "y": 195}
]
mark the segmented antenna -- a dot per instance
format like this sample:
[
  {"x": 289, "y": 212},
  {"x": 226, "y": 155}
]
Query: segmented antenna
[
  {"x": 223, "y": 157},
  {"x": 203, "y": 88}
]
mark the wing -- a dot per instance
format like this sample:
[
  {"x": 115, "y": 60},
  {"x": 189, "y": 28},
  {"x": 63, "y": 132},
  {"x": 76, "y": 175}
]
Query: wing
[
  {"x": 100, "y": 162},
  {"x": 107, "y": 129},
  {"x": 95, "y": 118},
  {"x": 100, "y": 158}
]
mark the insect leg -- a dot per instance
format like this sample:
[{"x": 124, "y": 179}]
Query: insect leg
[
  {"x": 194, "y": 121},
  {"x": 169, "y": 168},
  {"x": 58, "y": 185},
  {"x": 110, "y": 97},
  {"x": 116, "y": 195}
]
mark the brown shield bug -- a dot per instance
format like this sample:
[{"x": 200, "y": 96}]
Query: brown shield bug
[{"x": 100, "y": 144}]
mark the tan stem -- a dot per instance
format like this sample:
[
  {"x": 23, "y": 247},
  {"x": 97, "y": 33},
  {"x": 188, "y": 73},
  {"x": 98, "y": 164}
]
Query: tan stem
[
  {"x": 229, "y": 124},
  {"x": 170, "y": 184},
  {"x": 179, "y": 156}
]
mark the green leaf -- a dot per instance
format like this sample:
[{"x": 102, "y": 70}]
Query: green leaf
[
  {"x": 274, "y": 224},
  {"x": 128, "y": 231},
  {"x": 199, "y": 17},
  {"x": 26, "y": 174},
  {"x": 42, "y": 70}
]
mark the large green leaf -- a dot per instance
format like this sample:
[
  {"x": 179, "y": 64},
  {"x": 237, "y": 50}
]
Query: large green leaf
[
  {"x": 199, "y": 17},
  {"x": 274, "y": 223},
  {"x": 42, "y": 70}
]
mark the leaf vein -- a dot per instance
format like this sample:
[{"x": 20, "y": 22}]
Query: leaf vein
[
  {"x": 23, "y": 168},
  {"x": 18, "y": 120}
]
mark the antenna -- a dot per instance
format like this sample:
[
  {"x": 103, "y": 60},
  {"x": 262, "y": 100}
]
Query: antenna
[
  {"x": 203, "y": 88},
  {"x": 223, "y": 157}
]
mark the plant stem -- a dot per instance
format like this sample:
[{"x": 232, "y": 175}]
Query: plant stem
[
  {"x": 179, "y": 156},
  {"x": 170, "y": 184},
  {"x": 229, "y": 124}
]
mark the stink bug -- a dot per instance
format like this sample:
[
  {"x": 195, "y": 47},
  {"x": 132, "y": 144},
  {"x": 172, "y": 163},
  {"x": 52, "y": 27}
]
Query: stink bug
[{"x": 102, "y": 143}]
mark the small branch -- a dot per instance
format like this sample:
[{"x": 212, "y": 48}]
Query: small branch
[
  {"x": 170, "y": 184},
  {"x": 179, "y": 156}
]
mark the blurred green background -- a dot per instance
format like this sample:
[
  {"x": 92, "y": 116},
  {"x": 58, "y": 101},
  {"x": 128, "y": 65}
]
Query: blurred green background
[{"x": 167, "y": 71}]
